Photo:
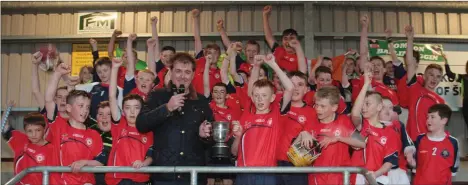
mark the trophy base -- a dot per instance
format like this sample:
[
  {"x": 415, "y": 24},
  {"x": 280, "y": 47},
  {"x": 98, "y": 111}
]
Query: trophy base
[{"x": 221, "y": 152}]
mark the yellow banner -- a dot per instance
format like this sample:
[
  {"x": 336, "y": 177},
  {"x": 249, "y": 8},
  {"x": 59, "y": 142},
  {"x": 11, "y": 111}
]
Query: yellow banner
[{"x": 82, "y": 56}]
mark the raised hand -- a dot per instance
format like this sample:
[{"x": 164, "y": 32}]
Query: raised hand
[
  {"x": 209, "y": 60},
  {"x": 269, "y": 59},
  {"x": 116, "y": 62},
  {"x": 151, "y": 42},
  {"x": 220, "y": 24},
  {"x": 63, "y": 69},
  {"x": 238, "y": 46},
  {"x": 365, "y": 21},
  {"x": 154, "y": 20},
  {"x": 73, "y": 80},
  {"x": 117, "y": 33},
  {"x": 195, "y": 13},
  {"x": 409, "y": 31},
  {"x": 388, "y": 33},
  {"x": 294, "y": 44},
  {"x": 258, "y": 60},
  {"x": 36, "y": 58},
  {"x": 231, "y": 49},
  {"x": 267, "y": 10},
  {"x": 132, "y": 37}
]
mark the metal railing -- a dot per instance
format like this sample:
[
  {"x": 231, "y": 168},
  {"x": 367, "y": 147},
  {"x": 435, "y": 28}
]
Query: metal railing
[{"x": 194, "y": 170}]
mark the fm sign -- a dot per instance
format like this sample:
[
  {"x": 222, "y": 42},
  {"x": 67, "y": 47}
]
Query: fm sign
[{"x": 97, "y": 22}]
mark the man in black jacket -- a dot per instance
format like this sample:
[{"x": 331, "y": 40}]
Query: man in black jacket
[{"x": 178, "y": 118}]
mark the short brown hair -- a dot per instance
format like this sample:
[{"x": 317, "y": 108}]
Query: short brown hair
[
  {"x": 103, "y": 104},
  {"x": 183, "y": 58},
  {"x": 443, "y": 110},
  {"x": 133, "y": 97},
  {"x": 61, "y": 88},
  {"x": 264, "y": 83},
  {"x": 377, "y": 95},
  {"x": 298, "y": 74},
  {"x": 252, "y": 42},
  {"x": 331, "y": 93},
  {"x": 322, "y": 69},
  {"x": 213, "y": 46},
  {"x": 434, "y": 66},
  {"x": 75, "y": 94},
  {"x": 34, "y": 118},
  {"x": 378, "y": 58},
  {"x": 103, "y": 61},
  {"x": 147, "y": 71}
]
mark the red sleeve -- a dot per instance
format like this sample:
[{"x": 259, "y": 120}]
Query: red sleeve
[
  {"x": 311, "y": 120},
  {"x": 309, "y": 98},
  {"x": 97, "y": 146},
  {"x": 348, "y": 126},
  {"x": 150, "y": 140},
  {"x": 17, "y": 141}
]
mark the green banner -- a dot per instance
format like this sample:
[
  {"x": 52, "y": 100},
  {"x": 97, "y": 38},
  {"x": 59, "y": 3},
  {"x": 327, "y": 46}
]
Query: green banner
[{"x": 429, "y": 52}]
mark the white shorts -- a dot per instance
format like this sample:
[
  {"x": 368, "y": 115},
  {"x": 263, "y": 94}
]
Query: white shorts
[
  {"x": 361, "y": 180},
  {"x": 398, "y": 177}
]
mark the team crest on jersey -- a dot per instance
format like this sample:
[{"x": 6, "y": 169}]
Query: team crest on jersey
[
  {"x": 124, "y": 132},
  {"x": 291, "y": 59},
  {"x": 445, "y": 153},
  {"x": 64, "y": 136},
  {"x": 337, "y": 133},
  {"x": 217, "y": 76},
  {"x": 301, "y": 119},
  {"x": 144, "y": 139},
  {"x": 383, "y": 140},
  {"x": 269, "y": 122},
  {"x": 39, "y": 158},
  {"x": 89, "y": 141},
  {"x": 228, "y": 117}
]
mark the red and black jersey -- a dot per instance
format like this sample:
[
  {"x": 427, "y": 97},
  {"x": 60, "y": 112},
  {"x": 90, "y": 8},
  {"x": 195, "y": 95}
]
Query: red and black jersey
[
  {"x": 28, "y": 155},
  {"x": 128, "y": 146},
  {"x": 437, "y": 159}
]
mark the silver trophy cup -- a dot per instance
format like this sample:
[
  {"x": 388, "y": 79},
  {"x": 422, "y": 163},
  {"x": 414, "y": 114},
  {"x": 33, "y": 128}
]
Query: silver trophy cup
[{"x": 220, "y": 132}]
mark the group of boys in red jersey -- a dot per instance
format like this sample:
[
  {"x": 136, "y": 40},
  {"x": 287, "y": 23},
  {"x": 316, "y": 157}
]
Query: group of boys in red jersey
[{"x": 267, "y": 113}]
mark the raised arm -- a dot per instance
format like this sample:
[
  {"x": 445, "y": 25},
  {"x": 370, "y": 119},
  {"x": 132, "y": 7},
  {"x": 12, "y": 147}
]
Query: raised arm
[
  {"x": 391, "y": 49},
  {"x": 266, "y": 26},
  {"x": 359, "y": 103},
  {"x": 115, "y": 112},
  {"x": 155, "y": 54},
  {"x": 131, "y": 58},
  {"x": 232, "y": 64},
  {"x": 285, "y": 81},
  {"x": 411, "y": 65},
  {"x": 151, "y": 61},
  {"x": 4, "y": 117},
  {"x": 254, "y": 73},
  {"x": 300, "y": 55},
  {"x": 363, "y": 46},
  {"x": 344, "y": 76},
  {"x": 225, "y": 65},
  {"x": 206, "y": 76},
  {"x": 110, "y": 46},
  {"x": 62, "y": 69},
  {"x": 448, "y": 71},
  {"x": 314, "y": 68},
  {"x": 222, "y": 32},
  {"x": 36, "y": 89},
  {"x": 196, "y": 31}
]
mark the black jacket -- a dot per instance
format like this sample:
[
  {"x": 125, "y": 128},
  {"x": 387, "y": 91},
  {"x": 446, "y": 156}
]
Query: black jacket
[{"x": 176, "y": 137}]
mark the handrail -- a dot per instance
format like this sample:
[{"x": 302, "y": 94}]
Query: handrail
[{"x": 194, "y": 170}]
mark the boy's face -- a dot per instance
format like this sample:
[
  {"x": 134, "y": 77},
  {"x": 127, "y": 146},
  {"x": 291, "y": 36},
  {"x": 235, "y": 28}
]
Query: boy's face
[
  {"x": 131, "y": 110},
  {"x": 103, "y": 72},
  {"x": 328, "y": 63},
  {"x": 286, "y": 39},
  {"x": 250, "y": 51},
  {"x": 262, "y": 74},
  {"x": 435, "y": 122},
  {"x": 386, "y": 113},
  {"x": 219, "y": 95},
  {"x": 104, "y": 119},
  {"x": 166, "y": 56},
  {"x": 79, "y": 109},
  {"x": 432, "y": 78},
  {"x": 300, "y": 88},
  {"x": 145, "y": 82},
  {"x": 86, "y": 75},
  {"x": 324, "y": 108},
  {"x": 324, "y": 79},
  {"x": 35, "y": 133},
  {"x": 61, "y": 99},
  {"x": 182, "y": 73},
  {"x": 350, "y": 64},
  {"x": 262, "y": 98},
  {"x": 371, "y": 107},
  {"x": 389, "y": 69},
  {"x": 213, "y": 52},
  {"x": 378, "y": 69}
]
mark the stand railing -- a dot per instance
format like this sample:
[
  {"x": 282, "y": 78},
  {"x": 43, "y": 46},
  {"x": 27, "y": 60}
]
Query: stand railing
[{"x": 194, "y": 170}]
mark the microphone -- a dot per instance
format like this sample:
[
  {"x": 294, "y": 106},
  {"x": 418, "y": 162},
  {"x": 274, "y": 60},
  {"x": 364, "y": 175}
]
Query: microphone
[{"x": 178, "y": 90}]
